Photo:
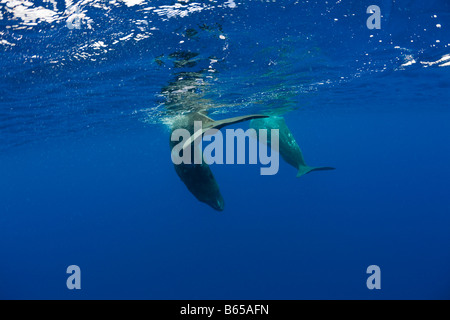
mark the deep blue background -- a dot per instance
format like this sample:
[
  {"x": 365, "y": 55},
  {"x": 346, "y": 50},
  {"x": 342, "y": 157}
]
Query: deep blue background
[{"x": 85, "y": 181}]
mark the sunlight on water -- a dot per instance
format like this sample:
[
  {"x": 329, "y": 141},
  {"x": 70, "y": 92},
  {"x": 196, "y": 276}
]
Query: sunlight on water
[{"x": 130, "y": 51}]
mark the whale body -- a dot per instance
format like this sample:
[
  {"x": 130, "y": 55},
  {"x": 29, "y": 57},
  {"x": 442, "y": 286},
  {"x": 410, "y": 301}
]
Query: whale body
[
  {"x": 288, "y": 147},
  {"x": 199, "y": 178}
]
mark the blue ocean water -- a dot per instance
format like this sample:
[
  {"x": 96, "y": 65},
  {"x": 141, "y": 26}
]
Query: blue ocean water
[{"x": 86, "y": 101}]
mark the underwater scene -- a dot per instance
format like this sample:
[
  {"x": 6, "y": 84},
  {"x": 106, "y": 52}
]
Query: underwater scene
[{"x": 224, "y": 149}]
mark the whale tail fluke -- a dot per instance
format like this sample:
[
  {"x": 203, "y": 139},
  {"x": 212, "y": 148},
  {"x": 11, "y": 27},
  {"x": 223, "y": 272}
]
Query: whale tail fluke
[{"x": 302, "y": 170}]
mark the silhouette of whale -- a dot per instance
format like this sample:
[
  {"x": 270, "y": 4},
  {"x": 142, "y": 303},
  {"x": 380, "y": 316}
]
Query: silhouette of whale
[
  {"x": 198, "y": 178},
  {"x": 288, "y": 147},
  {"x": 186, "y": 103}
]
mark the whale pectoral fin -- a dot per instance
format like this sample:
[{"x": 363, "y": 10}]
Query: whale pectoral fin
[
  {"x": 307, "y": 169},
  {"x": 204, "y": 118},
  {"x": 225, "y": 122},
  {"x": 211, "y": 124}
]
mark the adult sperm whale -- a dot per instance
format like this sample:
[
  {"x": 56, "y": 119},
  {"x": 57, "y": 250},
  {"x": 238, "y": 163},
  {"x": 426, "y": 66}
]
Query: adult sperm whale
[
  {"x": 288, "y": 147},
  {"x": 198, "y": 178},
  {"x": 186, "y": 103}
]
